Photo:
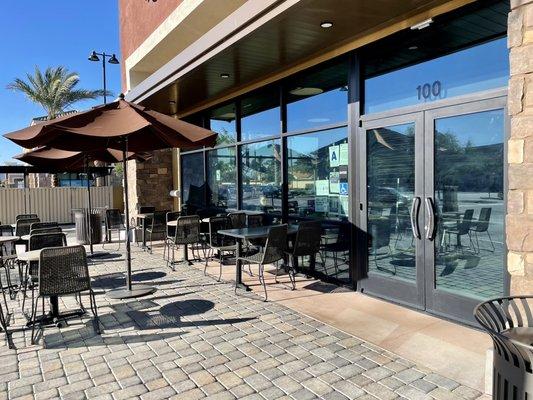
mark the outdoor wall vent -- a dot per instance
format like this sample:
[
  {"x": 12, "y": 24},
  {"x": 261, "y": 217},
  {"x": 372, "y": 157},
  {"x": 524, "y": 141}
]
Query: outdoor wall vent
[{"x": 422, "y": 25}]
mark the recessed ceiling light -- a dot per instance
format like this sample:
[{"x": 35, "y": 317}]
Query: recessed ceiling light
[
  {"x": 326, "y": 24},
  {"x": 306, "y": 91},
  {"x": 224, "y": 76},
  {"x": 422, "y": 25},
  {"x": 413, "y": 47}
]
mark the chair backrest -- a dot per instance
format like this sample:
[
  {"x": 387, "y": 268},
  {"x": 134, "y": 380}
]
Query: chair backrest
[
  {"x": 42, "y": 240},
  {"x": 159, "y": 219},
  {"x": 6, "y": 230},
  {"x": 63, "y": 270},
  {"x": 466, "y": 222},
  {"x": 40, "y": 225},
  {"x": 23, "y": 226},
  {"x": 172, "y": 216},
  {"x": 237, "y": 219},
  {"x": 113, "y": 219},
  {"x": 53, "y": 229},
  {"x": 276, "y": 244},
  {"x": 26, "y": 216},
  {"x": 216, "y": 224},
  {"x": 255, "y": 220},
  {"x": 187, "y": 230},
  {"x": 483, "y": 220},
  {"x": 146, "y": 209},
  {"x": 307, "y": 240}
]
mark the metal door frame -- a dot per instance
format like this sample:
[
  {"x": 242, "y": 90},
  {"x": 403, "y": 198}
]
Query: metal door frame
[
  {"x": 434, "y": 301},
  {"x": 411, "y": 294}
]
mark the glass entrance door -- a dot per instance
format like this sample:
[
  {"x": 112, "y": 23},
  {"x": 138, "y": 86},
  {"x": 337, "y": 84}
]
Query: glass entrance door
[
  {"x": 465, "y": 253},
  {"x": 434, "y": 215},
  {"x": 394, "y": 188}
]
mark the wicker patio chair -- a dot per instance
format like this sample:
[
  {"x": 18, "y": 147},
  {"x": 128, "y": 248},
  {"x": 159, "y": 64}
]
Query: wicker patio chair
[
  {"x": 307, "y": 243},
  {"x": 53, "y": 229},
  {"x": 482, "y": 226},
  {"x": 23, "y": 226},
  {"x": 64, "y": 271},
  {"x": 26, "y": 216},
  {"x": 187, "y": 232},
  {"x": 113, "y": 223},
  {"x": 41, "y": 225},
  {"x": 219, "y": 243},
  {"x": 237, "y": 219},
  {"x": 156, "y": 225},
  {"x": 273, "y": 251},
  {"x": 509, "y": 322},
  {"x": 38, "y": 242}
]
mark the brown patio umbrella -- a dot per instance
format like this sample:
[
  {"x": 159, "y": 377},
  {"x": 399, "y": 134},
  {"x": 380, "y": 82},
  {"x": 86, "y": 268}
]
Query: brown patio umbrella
[
  {"x": 119, "y": 125},
  {"x": 75, "y": 161}
]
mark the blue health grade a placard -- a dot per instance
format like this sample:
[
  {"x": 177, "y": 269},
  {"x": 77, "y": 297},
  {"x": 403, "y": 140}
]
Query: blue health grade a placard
[{"x": 343, "y": 188}]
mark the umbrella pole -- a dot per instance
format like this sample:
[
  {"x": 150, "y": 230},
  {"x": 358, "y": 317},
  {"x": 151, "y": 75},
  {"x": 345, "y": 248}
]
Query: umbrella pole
[
  {"x": 130, "y": 291},
  {"x": 89, "y": 225},
  {"x": 127, "y": 213}
]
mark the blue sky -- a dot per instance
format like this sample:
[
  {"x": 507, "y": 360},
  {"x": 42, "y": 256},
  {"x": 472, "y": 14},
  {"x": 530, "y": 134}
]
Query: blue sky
[{"x": 52, "y": 33}]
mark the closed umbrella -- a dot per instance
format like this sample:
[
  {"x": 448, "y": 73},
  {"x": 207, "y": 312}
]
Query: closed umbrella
[
  {"x": 74, "y": 161},
  {"x": 119, "y": 125}
]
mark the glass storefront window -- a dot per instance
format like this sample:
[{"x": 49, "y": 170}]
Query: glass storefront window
[
  {"x": 260, "y": 114},
  {"x": 261, "y": 176},
  {"x": 192, "y": 178},
  {"x": 471, "y": 70},
  {"x": 318, "y": 98},
  {"x": 318, "y": 174},
  {"x": 222, "y": 178},
  {"x": 222, "y": 121}
]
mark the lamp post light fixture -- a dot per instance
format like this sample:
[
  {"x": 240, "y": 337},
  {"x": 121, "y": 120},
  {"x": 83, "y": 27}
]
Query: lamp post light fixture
[{"x": 112, "y": 60}]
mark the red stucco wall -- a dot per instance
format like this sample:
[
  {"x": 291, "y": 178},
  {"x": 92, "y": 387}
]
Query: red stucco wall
[{"x": 138, "y": 19}]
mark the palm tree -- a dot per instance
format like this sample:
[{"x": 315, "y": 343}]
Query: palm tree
[{"x": 55, "y": 89}]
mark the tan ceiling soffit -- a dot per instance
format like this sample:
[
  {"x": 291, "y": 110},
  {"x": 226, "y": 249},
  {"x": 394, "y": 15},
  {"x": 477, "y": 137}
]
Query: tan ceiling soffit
[
  {"x": 378, "y": 32},
  {"x": 238, "y": 24}
]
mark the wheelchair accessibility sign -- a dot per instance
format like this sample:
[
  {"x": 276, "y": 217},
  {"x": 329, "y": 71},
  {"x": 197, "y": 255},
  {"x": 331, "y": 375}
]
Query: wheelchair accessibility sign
[{"x": 343, "y": 188}]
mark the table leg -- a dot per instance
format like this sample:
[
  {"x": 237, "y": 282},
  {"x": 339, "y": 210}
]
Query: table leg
[
  {"x": 54, "y": 306},
  {"x": 186, "y": 255},
  {"x": 238, "y": 269},
  {"x": 144, "y": 234}
]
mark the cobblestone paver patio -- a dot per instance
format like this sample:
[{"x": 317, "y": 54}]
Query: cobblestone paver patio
[{"x": 194, "y": 338}]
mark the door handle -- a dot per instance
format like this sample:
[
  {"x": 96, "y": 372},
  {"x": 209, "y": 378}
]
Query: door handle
[
  {"x": 415, "y": 206},
  {"x": 430, "y": 227}
]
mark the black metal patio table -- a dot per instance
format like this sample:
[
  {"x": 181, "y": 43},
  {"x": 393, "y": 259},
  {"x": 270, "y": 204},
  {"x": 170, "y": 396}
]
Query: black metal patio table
[{"x": 241, "y": 234}]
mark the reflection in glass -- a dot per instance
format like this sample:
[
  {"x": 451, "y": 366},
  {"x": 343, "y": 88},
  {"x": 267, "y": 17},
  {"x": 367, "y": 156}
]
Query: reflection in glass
[
  {"x": 222, "y": 179},
  {"x": 474, "y": 69},
  {"x": 318, "y": 190},
  {"x": 469, "y": 253},
  {"x": 318, "y": 174},
  {"x": 260, "y": 114},
  {"x": 391, "y": 184},
  {"x": 192, "y": 178},
  {"x": 222, "y": 121},
  {"x": 261, "y": 176},
  {"x": 318, "y": 97}
]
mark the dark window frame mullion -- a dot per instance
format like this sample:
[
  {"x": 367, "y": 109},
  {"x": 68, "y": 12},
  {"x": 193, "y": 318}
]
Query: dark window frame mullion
[
  {"x": 283, "y": 154},
  {"x": 238, "y": 159}
]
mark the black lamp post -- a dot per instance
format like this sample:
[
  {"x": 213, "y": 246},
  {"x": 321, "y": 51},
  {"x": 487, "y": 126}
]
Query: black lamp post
[{"x": 112, "y": 60}]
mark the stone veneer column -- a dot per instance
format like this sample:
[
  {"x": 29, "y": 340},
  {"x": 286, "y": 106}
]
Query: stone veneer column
[
  {"x": 150, "y": 182},
  {"x": 520, "y": 148}
]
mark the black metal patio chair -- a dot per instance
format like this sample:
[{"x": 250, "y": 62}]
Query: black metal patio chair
[
  {"x": 23, "y": 226},
  {"x": 306, "y": 244},
  {"x": 41, "y": 225},
  {"x": 219, "y": 243},
  {"x": 157, "y": 224},
  {"x": 38, "y": 242},
  {"x": 482, "y": 226},
  {"x": 187, "y": 232},
  {"x": 53, "y": 229},
  {"x": 171, "y": 230},
  {"x": 273, "y": 251},
  {"x": 63, "y": 271},
  {"x": 237, "y": 219},
  {"x": 114, "y": 222},
  {"x": 26, "y": 216}
]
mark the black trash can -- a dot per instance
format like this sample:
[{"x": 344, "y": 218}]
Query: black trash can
[
  {"x": 509, "y": 322},
  {"x": 80, "y": 220}
]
